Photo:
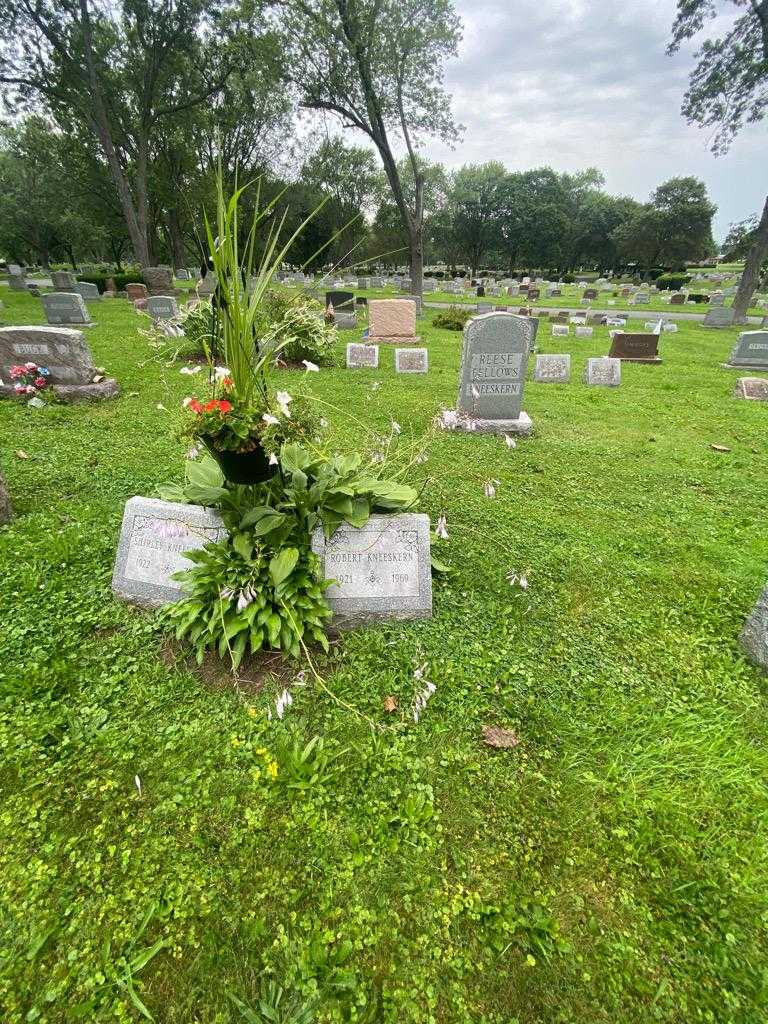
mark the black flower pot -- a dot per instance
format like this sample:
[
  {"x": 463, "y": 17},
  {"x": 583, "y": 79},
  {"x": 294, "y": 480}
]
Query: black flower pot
[{"x": 243, "y": 467}]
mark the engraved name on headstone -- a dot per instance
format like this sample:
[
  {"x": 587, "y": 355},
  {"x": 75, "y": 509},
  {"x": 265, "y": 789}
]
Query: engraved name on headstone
[
  {"x": 162, "y": 307},
  {"x": 411, "y": 360},
  {"x": 153, "y": 539},
  {"x": 362, "y": 357},
  {"x": 380, "y": 571},
  {"x": 552, "y": 369},
  {"x": 635, "y": 348},
  {"x": 63, "y": 352}
]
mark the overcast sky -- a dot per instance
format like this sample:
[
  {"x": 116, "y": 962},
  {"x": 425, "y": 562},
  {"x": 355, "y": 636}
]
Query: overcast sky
[{"x": 580, "y": 83}]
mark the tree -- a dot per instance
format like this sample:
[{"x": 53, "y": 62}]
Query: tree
[
  {"x": 124, "y": 73},
  {"x": 728, "y": 87},
  {"x": 674, "y": 227},
  {"x": 474, "y": 208},
  {"x": 378, "y": 65}
]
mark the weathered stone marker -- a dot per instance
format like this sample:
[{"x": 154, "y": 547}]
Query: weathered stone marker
[
  {"x": 494, "y": 361},
  {"x": 153, "y": 538},
  {"x": 159, "y": 280},
  {"x": 63, "y": 281},
  {"x": 754, "y": 636},
  {"x": 753, "y": 389},
  {"x": 381, "y": 571},
  {"x": 392, "y": 320},
  {"x": 604, "y": 372},
  {"x": 411, "y": 360},
  {"x": 635, "y": 348},
  {"x": 750, "y": 351},
  {"x": 88, "y": 291},
  {"x": 135, "y": 290},
  {"x": 552, "y": 369},
  {"x": 362, "y": 357},
  {"x": 63, "y": 352},
  {"x": 66, "y": 308},
  {"x": 719, "y": 316},
  {"x": 162, "y": 307}
]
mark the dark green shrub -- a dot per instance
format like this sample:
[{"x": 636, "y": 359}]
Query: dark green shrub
[
  {"x": 672, "y": 282},
  {"x": 100, "y": 280},
  {"x": 131, "y": 277},
  {"x": 452, "y": 319},
  {"x": 654, "y": 273},
  {"x": 568, "y": 278}
]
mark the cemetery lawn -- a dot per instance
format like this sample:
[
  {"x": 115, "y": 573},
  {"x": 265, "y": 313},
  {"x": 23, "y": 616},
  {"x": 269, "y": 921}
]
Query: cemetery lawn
[{"x": 612, "y": 867}]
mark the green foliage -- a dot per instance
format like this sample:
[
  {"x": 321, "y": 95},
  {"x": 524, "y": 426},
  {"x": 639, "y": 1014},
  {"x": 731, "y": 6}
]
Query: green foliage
[
  {"x": 299, "y": 323},
  {"x": 127, "y": 277},
  {"x": 100, "y": 280},
  {"x": 568, "y": 278},
  {"x": 453, "y": 319},
  {"x": 197, "y": 322},
  {"x": 672, "y": 282}
]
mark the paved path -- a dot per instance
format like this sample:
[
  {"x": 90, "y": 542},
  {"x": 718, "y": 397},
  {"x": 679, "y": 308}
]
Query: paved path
[{"x": 640, "y": 314}]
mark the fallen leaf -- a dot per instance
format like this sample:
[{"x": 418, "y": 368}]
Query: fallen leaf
[
  {"x": 719, "y": 448},
  {"x": 504, "y": 739},
  {"x": 390, "y": 704},
  {"x": 21, "y": 454}
]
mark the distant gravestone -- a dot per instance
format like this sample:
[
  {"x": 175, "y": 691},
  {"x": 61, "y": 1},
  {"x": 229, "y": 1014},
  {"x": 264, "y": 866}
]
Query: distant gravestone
[
  {"x": 342, "y": 302},
  {"x": 66, "y": 308},
  {"x": 379, "y": 571},
  {"x": 183, "y": 274},
  {"x": 63, "y": 281},
  {"x": 750, "y": 351},
  {"x": 604, "y": 372},
  {"x": 134, "y": 290},
  {"x": 641, "y": 298},
  {"x": 17, "y": 282},
  {"x": 153, "y": 539},
  {"x": 754, "y": 635},
  {"x": 584, "y": 332},
  {"x": 362, "y": 357},
  {"x": 717, "y": 299},
  {"x": 162, "y": 307},
  {"x": 159, "y": 280},
  {"x": 88, "y": 291},
  {"x": 678, "y": 299},
  {"x": 392, "y": 320},
  {"x": 494, "y": 360},
  {"x": 534, "y": 293},
  {"x": 753, "y": 389},
  {"x": 206, "y": 286},
  {"x": 719, "y": 316},
  {"x": 590, "y": 293},
  {"x": 416, "y": 300},
  {"x": 14, "y": 270},
  {"x": 560, "y": 330},
  {"x": 64, "y": 353},
  {"x": 635, "y": 348},
  {"x": 411, "y": 360},
  {"x": 552, "y": 369},
  {"x": 6, "y": 513}
]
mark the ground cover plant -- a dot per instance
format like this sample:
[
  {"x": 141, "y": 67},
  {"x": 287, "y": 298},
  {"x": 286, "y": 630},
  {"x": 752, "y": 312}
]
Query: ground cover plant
[{"x": 166, "y": 849}]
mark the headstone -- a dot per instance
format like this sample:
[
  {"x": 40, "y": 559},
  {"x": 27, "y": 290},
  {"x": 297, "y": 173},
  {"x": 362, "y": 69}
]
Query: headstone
[
  {"x": 411, "y": 360},
  {"x": 604, "y": 372},
  {"x": 159, "y": 280},
  {"x": 392, "y": 320},
  {"x": 416, "y": 300},
  {"x": 717, "y": 299},
  {"x": 206, "y": 286},
  {"x": 362, "y": 357},
  {"x": 153, "y": 539},
  {"x": 559, "y": 330},
  {"x": 494, "y": 360},
  {"x": 88, "y": 291},
  {"x": 753, "y": 389},
  {"x": 65, "y": 308},
  {"x": 64, "y": 353},
  {"x": 552, "y": 369},
  {"x": 754, "y": 635},
  {"x": 678, "y": 299},
  {"x": 14, "y": 270},
  {"x": 534, "y": 293},
  {"x": 584, "y": 332},
  {"x": 635, "y": 348},
  {"x": 590, "y": 293},
  {"x": 430, "y": 285},
  {"x": 750, "y": 351},
  {"x": 641, "y": 298},
  {"x": 162, "y": 307},
  {"x": 183, "y": 274},
  {"x": 63, "y": 281},
  {"x": 6, "y": 513},
  {"x": 342, "y": 302},
  {"x": 135, "y": 290},
  {"x": 17, "y": 282},
  {"x": 719, "y": 316},
  {"x": 380, "y": 571}
]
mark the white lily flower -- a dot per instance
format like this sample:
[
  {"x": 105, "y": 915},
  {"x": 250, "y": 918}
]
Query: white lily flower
[
  {"x": 220, "y": 372},
  {"x": 489, "y": 488},
  {"x": 323, "y": 422},
  {"x": 283, "y": 701},
  {"x": 244, "y": 600},
  {"x": 523, "y": 581},
  {"x": 311, "y": 367},
  {"x": 193, "y": 452},
  {"x": 271, "y": 420},
  {"x": 160, "y": 407},
  {"x": 283, "y": 399},
  {"x": 441, "y": 528},
  {"x": 188, "y": 371},
  {"x": 137, "y": 783},
  {"x": 273, "y": 459}
]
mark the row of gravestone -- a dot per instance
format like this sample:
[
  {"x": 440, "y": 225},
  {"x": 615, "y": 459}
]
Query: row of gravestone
[{"x": 366, "y": 357}]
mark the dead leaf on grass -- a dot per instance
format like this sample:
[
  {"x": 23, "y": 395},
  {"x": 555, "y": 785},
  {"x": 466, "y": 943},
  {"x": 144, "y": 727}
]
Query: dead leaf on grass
[
  {"x": 503, "y": 739},
  {"x": 390, "y": 704}
]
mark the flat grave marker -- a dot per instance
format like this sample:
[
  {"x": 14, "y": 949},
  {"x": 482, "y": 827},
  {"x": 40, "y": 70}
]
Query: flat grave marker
[
  {"x": 753, "y": 389},
  {"x": 552, "y": 369},
  {"x": 603, "y": 372},
  {"x": 362, "y": 357},
  {"x": 635, "y": 348},
  {"x": 411, "y": 360}
]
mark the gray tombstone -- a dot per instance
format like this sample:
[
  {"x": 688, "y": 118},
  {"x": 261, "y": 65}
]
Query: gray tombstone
[
  {"x": 416, "y": 300},
  {"x": 159, "y": 280},
  {"x": 362, "y": 357},
  {"x": 717, "y": 299},
  {"x": 88, "y": 291},
  {"x": 206, "y": 286},
  {"x": 153, "y": 540},
  {"x": 754, "y": 636},
  {"x": 750, "y": 351},
  {"x": 63, "y": 281},
  {"x": 66, "y": 308},
  {"x": 719, "y": 316},
  {"x": 494, "y": 361},
  {"x": 162, "y": 307},
  {"x": 753, "y": 389},
  {"x": 14, "y": 269},
  {"x": 380, "y": 571},
  {"x": 64, "y": 353},
  {"x": 411, "y": 360},
  {"x": 604, "y": 372},
  {"x": 183, "y": 274},
  {"x": 552, "y": 369},
  {"x": 17, "y": 282}
]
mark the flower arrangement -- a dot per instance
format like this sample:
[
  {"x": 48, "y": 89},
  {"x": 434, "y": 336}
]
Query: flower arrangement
[{"x": 29, "y": 379}]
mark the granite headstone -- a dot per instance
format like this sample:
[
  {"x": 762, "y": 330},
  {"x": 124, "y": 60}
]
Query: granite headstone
[
  {"x": 411, "y": 360},
  {"x": 64, "y": 353},
  {"x": 552, "y": 369},
  {"x": 362, "y": 357},
  {"x": 603, "y": 372},
  {"x": 750, "y": 351}
]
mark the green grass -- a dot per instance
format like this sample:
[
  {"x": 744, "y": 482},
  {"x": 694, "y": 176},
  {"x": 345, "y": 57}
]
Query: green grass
[{"x": 612, "y": 868}]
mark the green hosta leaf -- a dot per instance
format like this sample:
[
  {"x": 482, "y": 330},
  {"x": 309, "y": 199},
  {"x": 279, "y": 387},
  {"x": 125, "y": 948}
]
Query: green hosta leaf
[
  {"x": 255, "y": 514},
  {"x": 243, "y": 546},
  {"x": 204, "y": 472},
  {"x": 340, "y": 503},
  {"x": 388, "y": 494},
  {"x": 208, "y": 496},
  {"x": 438, "y": 566},
  {"x": 173, "y": 492},
  {"x": 283, "y": 564},
  {"x": 294, "y": 457},
  {"x": 361, "y": 512},
  {"x": 267, "y": 524}
]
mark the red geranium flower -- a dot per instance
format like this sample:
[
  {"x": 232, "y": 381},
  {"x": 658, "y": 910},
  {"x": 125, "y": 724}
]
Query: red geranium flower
[
  {"x": 225, "y": 406},
  {"x": 210, "y": 406},
  {"x": 196, "y": 406}
]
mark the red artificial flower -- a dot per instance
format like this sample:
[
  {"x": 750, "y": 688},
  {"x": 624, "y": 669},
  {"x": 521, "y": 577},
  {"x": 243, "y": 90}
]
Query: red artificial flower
[
  {"x": 40, "y": 382},
  {"x": 225, "y": 406}
]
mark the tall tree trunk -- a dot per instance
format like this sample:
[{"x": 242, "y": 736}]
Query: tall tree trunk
[
  {"x": 142, "y": 199},
  {"x": 176, "y": 238},
  {"x": 750, "y": 278},
  {"x": 73, "y": 262},
  {"x": 416, "y": 238}
]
